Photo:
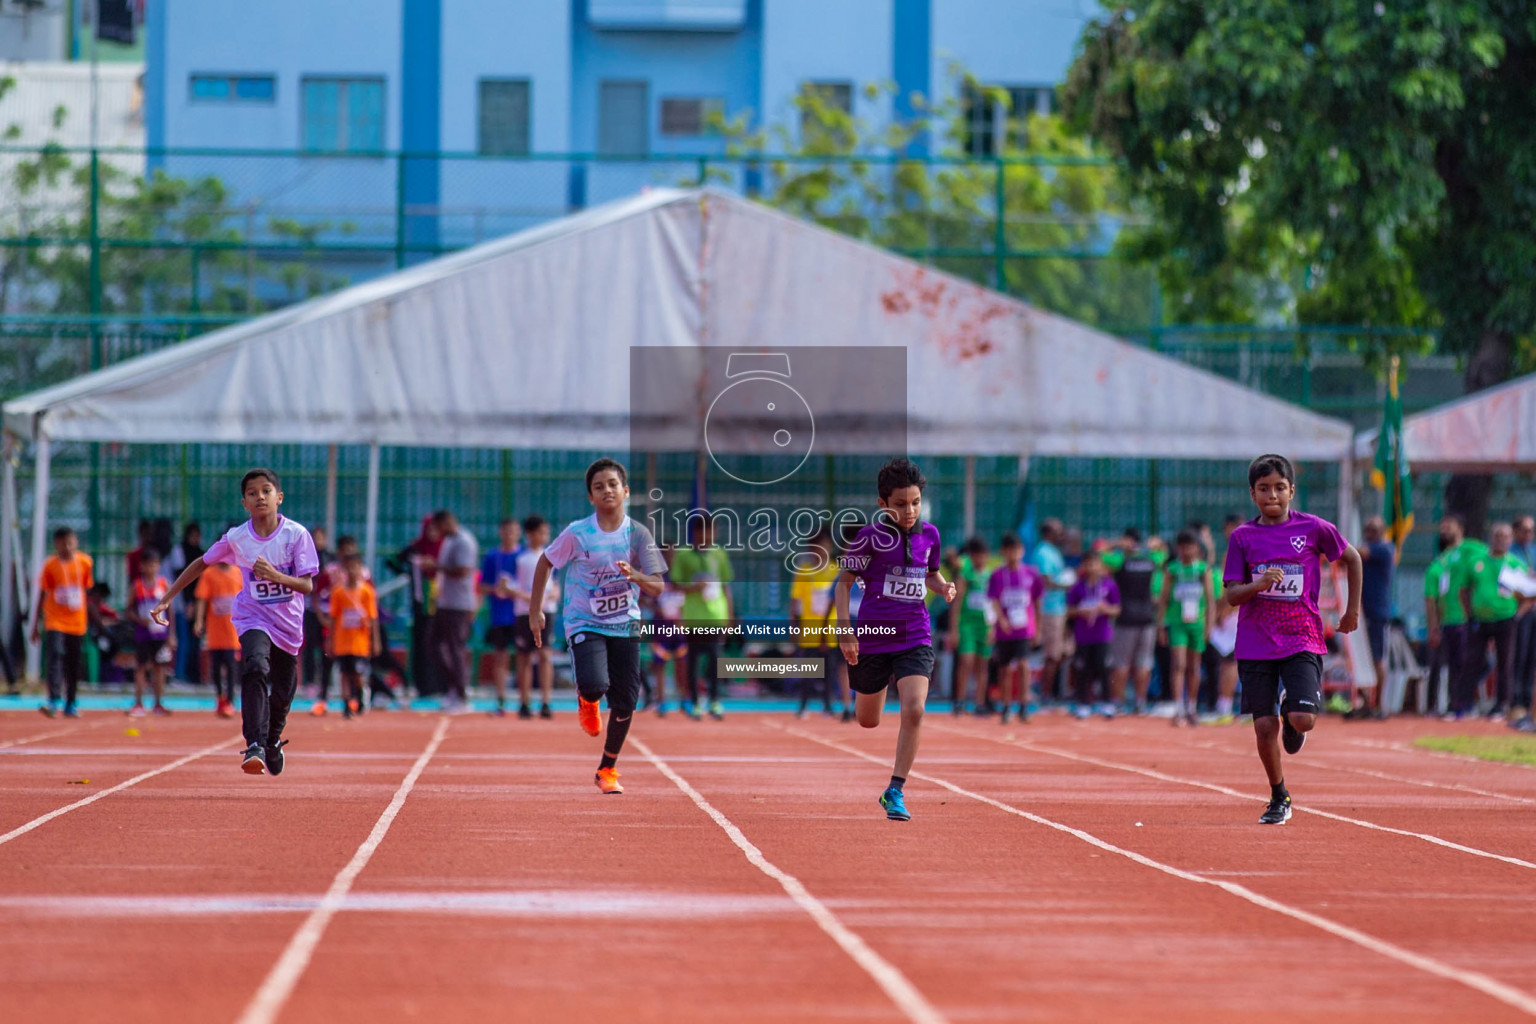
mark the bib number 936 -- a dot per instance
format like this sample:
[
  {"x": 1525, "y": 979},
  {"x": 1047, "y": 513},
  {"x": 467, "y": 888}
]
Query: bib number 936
[{"x": 268, "y": 592}]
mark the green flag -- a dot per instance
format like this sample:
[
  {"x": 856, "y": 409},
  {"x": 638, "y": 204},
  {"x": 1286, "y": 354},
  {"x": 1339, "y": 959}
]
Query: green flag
[{"x": 1391, "y": 473}]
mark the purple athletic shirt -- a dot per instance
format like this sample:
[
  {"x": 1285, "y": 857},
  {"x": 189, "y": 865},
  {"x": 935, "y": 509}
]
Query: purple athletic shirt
[
  {"x": 894, "y": 568},
  {"x": 1016, "y": 590},
  {"x": 1283, "y": 620},
  {"x": 1085, "y": 594},
  {"x": 269, "y": 607}
]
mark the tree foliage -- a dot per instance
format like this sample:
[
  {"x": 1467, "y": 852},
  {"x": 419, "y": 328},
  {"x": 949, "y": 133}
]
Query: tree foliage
[{"x": 835, "y": 167}]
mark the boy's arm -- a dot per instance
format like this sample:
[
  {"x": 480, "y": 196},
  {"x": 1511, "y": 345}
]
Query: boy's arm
[
  {"x": 188, "y": 576},
  {"x": 1162, "y": 598},
  {"x": 1352, "y": 566},
  {"x": 199, "y": 617},
  {"x": 1238, "y": 594},
  {"x": 536, "y": 599},
  {"x": 1210, "y": 602},
  {"x": 264, "y": 570},
  {"x": 943, "y": 587},
  {"x": 849, "y": 641}
]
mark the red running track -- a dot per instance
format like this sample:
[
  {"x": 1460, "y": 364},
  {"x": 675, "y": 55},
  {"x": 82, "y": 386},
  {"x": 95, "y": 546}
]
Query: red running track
[{"x": 412, "y": 867}]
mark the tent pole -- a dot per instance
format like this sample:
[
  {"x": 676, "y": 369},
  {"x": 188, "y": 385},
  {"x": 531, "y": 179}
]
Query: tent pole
[
  {"x": 1347, "y": 498},
  {"x": 970, "y": 496},
  {"x": 371, "y": 530},
  {"x": 330, "y": 497},
  {"x": 39, "y": 545},
  {"x": 7, "y": 525}
]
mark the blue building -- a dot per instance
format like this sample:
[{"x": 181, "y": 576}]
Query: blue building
[{"x": 507, "y": 90}]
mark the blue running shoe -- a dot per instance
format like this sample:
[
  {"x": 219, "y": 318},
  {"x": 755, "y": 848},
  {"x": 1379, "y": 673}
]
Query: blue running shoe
[{"x": 895, "y": 805}]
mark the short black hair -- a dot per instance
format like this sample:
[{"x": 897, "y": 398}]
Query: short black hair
[
  {"x": 1186, "y": 537},
  {"x": 1231, "y": 519},
  {"x": 976, "y": 546},
  {"x": 149, "y": 555},
  {"x": 533, "y": 523},
  {"x": 1134, "y": 533},
  {"x": 441, "y": 516},
  {"x": 344, "y": 540},
  {"x": 62, "y": 532},
  {"x": 1452, "y": 517},
  {"x": 1011, "y": 540},
  {"x": 256, "y": 474},
  {"x": 899, "y": 473},
  {"x": 1264, "y": 465},
  {"x": 607, "y": 463}
]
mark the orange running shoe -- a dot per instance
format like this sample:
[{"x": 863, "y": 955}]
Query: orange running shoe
[
  {"x": 319, "y": 708},
  {"x": 589, "y": 715},
  {"x": 608, "y": 781}
]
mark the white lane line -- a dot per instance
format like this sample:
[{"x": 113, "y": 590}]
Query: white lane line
[
  {"x": 1313, "y": 762},
  {"x": 1249, "y": 797},
  {"x": 279, "y": 984},
  {"x": 1406, "y": 748},
  {"x": 1506, "y": 994},
  {"x": 22, "y": 830},
  {"x": 902, "y": 992},
  {"x": 46, "y": 735}
]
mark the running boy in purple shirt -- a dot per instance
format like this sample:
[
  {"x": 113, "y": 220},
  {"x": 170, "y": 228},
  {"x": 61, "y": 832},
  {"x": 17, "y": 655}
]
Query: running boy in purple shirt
[
  {"x": 277, "y": 558},
  {"x": 1271, "y": 576},
  {"x": 1015, "y": 590},
  {"x": 897, "y": 559}
]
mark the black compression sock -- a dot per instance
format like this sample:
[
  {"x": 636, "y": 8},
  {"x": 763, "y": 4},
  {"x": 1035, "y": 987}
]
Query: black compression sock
[
  {"x": 1278, "y": 791},
  {"x": 608, "y": 761},
  {"x": 618, "y": 728},
  {"x": 897, "y": 781}
]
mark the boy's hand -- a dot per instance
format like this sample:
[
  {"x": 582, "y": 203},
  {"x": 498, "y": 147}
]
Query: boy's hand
[
  {"x": 37, "y": 633},
  {"x": 850, "y": 648},
  {"x": 1273, "y": 575},
  {"x": 157, "y": 613},
  {"x": 1433, "y": 639},
  {"x": 1349, "y": 622},
  {"x": 536, "y": 625},
  {"x": 629, "y": 573},
  {"x": 263, "y": 570}
]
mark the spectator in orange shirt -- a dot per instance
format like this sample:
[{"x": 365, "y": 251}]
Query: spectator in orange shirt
[
  {"x": 215, "y": 593},
  {"x": 354, "y": 614},
  {"x": 62, "y": 586}
]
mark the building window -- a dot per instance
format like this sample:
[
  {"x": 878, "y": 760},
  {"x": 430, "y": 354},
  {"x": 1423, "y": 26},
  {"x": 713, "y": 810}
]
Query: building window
[
  {"x": 834, "y": 97},
  {"x": 987, "y": 125},
  {"x": 343, "y": 115},
  {"x": 504, "y": 116},
  {"x": 623, "y": 129},
  {"x": 233, "y": 88},
  {"x": 688, "y": 116}
]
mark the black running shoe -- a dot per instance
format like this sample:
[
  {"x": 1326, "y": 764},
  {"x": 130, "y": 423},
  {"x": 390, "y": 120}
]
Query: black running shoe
[
  {"x": 275, "y": 757},
  {"x": 253, "y": 761},
  {"x": 545, "y": 711},
  {"x": 1278, "y": 812},
  {"x": 524, "y": 711},
  {"x": 1290, "y": 738}
]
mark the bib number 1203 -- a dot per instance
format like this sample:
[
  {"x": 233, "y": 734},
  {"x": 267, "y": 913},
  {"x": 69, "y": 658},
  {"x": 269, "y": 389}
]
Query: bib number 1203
[{"x": 904, "y": 588}]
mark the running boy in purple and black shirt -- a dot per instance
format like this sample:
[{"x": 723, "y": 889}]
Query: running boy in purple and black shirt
[
  {"x": 277, "y": 558},
  {"x": 1273, "y": 568},
  {"x": 897, "y": 559}
]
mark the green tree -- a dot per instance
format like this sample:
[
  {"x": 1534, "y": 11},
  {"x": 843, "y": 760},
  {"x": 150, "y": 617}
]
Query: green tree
[
  {"x": 1372, "y": 158},
  {"x": 1058, "y": 196}
]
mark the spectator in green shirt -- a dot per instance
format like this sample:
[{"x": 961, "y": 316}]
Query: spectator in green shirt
[
  {"x": 970, "y": 626},
  {"x": 1443, "y": 613},
  {"x": 1491, "y": 608},
  {"x": 703, "y": 573}
]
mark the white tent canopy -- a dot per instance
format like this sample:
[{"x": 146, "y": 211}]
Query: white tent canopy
[
  {"x": 523, "y": 342},
  {"x": 1490, "y": 431}
]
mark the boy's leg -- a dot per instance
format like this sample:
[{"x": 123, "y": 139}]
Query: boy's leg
[
  {"x": 913, "y": 691},
  {"x": 157, "y": 672},
  {"x": 869, "y": 680},
  {"x": 545, "y": 659},
  {"x": 1177, "y": 678},
  {"x": 283, "y": 674},
  {"x": 256, "y": 653},
  {"x": 589, "y": 661},
  {"x": 74, "y": 652},
  {"x": 623, "y": 689},
  {"x": 140, "y": 672},
  {"x": 54, "y": 649}
]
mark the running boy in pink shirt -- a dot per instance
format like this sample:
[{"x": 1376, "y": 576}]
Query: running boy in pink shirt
[
  {"x": 277, "y": 558},
  {"x": 1272, "y": 572},
  {"x": 1015, "y": 590}
]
